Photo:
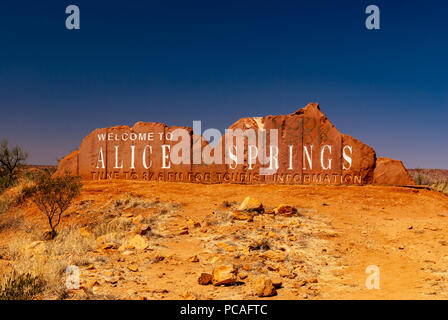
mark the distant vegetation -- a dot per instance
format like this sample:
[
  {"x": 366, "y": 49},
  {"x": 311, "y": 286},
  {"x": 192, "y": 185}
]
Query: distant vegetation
[
  {"x": 11, "y": 160},
  {"x": 436, "y": 179}
]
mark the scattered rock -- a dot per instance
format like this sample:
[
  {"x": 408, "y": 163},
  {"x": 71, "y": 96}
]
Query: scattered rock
[
  {"x": 225, "y": 275},
  {"x": 242, "y": 215},
  {"x": 251, "y": 204},
  {"x": 275, "y": 256},
  {"x": 193, "y": 224},
  {"x": 277, "y": 282},
  {"x": 91, "y": 284},
  {"x": 137, "y": 242},
  {"x": 285, "y": 210},
  {"x": 143, "y": 229},
  {"x": 193, "y": 259},
  {"x": 183, "y": 231},
  {"x": 205, "y": 279},
  {"x": 109, "y": 246},
  {"x": 264, "y": 287},
  {"x": 242, "y": 275},
  {"x": 133, "y": 268}
]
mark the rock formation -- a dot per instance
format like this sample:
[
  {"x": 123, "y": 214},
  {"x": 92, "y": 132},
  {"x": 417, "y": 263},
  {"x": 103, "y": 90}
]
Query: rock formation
[{"x": 300, "y": 148}]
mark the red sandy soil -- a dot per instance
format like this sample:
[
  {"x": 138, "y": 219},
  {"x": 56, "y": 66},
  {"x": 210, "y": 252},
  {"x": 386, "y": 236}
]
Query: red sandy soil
[{"x": 341, "y": 231}]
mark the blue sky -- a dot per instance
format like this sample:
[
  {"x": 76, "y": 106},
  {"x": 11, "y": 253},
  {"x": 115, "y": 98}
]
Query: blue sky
[{"x": 218, "y": 61}]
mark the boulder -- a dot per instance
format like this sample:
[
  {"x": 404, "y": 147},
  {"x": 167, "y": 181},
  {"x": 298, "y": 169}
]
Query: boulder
[{"x": 391, "y": 172}]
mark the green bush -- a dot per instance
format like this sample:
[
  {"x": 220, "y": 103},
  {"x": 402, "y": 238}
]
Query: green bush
[{"x": 21, "y": 287}]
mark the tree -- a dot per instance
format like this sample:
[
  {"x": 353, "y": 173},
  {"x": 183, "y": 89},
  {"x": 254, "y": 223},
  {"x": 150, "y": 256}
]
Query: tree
[
  {"x": 10, "y": 161},
  {"x": 53, "y": 195}
]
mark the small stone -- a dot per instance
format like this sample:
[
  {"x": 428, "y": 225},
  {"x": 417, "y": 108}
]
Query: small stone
[
  {"x": 193, "y": 223},
  {"x": 193, "y": 259},
  {"x": 276, "y": 256},
  {"x": 264, "y": 288},
  {"x": 272, "y": 235},
  {"x": 109, "y": 246},
  {"x": 91, "y": 284},
  {"x": 143, "y": 229},
  {"x": 285, "y": 210},
  {"x": 225, "y": 275},
  {"x": 137, "y": 242},
  {"x": 183, "y": 231},
  {"x": 90, "y": 267},
  {"x": 277, "y": 282},
  {"x": 108, "y": 273},
  {"x": 251, "y": 204},
  {"x": 242, "y": 275},
  {"x": 133, "y": 268},
  {"x": 242, "y": 215},
  {"x": 205, "y": 279}
]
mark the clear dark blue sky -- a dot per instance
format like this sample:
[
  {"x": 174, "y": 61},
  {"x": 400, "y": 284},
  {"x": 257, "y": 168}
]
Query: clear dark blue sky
[{"x": 216, "y": 61}]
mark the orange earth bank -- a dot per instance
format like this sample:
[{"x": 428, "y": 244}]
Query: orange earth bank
[{"x": 322, "y": 253}]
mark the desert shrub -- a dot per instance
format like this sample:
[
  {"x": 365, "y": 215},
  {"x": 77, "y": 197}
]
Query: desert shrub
[
  {"x": 54, "y": 195},
  {"x": 70, "y": 247},
  {"x": 440, "y": 186},
  {"x": 10, "y": 162},
  {"x": 21, "y": 287}
]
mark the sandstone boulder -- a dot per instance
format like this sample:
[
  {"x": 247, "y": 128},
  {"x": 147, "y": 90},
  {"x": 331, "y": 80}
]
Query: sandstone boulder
[{"x": 391, "y": 172}]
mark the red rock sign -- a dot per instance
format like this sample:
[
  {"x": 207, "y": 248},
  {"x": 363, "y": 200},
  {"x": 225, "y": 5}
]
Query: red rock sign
[{"x": 300, "y": 148}]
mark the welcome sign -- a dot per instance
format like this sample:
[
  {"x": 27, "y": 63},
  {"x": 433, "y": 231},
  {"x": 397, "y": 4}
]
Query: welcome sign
[{"x": 300, "y": 148}]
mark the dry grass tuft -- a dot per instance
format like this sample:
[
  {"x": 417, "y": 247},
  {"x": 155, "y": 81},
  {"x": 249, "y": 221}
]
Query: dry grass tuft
[{"x": 50, "y": 263}]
